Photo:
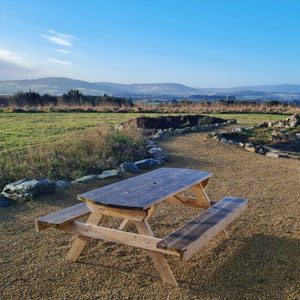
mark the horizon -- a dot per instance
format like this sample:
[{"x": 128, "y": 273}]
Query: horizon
[
  {"x": 212, "y": 44},
  {"x": 137, "y": 83}
]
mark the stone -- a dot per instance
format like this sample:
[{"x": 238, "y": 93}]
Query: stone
[
  {"x": 5, "y": 202},
  {"x": 62, "y": 184},
  {"x": 159, "y": 133},
  {"x": 129, "y": 167},
  {"x": 223, "y": 140},
  {"x": 148, "y": 163},
  {"x": 119, "y": 127},
  {"x": 276, "y": 155},
  {"x": 231, "y": 121},
  {"x": 279, "y": 124},
  {"x": 150, "y": 143},
  {"x": 29, "y": 188},
  {"x": 250, "y": 148},
  {"x": 239, "y": 129},
  {"x": 294, "y": 124},
  {"x": 187, "y": 129},
  {"x": 241, "y": 144},
  {"x": 156, "y": 153},
  {"x": 231, "y": 142},
  {"x": 85, "y": 179},
  {"x": 194, "y": 129},
  {"x": 261, "y": 151},
  {"x": 179, "y": 131},
  {"x": 110, "y": 174}
]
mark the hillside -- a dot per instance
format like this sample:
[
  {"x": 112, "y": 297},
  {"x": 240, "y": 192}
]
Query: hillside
[{"x": 60, "y": 85}]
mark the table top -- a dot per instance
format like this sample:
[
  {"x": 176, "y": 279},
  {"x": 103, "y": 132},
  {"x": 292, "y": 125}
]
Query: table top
[{"x": 143, "y": 191}]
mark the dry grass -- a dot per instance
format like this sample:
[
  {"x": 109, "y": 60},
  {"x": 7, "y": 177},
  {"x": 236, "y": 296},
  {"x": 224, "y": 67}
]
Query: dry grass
[
  {"x": 99, "y": 149},
  {"x": 260, "y": 261},
  {"x": 197, "y": 107}
]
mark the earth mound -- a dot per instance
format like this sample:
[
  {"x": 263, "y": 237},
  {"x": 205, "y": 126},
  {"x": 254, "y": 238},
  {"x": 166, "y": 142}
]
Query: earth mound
[{"x": 166, "y": 122}]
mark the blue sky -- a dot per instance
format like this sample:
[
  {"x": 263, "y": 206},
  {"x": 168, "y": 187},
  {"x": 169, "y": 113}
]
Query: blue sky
[{"x": 199, "y": 43}]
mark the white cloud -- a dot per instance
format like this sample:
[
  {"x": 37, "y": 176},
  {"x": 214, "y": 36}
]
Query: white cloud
[
  {"x": 62, "y": 51},
  {"x": 12, "y": 58},
  {"x": 60, "y": 62},
  {"x": 59, "y": 38}
]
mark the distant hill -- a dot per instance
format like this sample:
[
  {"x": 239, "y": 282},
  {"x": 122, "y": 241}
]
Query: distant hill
[{"x": 60, "y": 85}]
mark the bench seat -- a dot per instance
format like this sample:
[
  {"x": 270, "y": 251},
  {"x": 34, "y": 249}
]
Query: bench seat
[
  {"x": 63, "y": 216},
  {"x": 189, "y": 238}
]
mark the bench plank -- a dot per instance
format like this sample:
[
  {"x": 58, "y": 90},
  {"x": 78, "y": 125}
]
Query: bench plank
[
  {"x": 63, "y": 216},
  {"x": 196, "y": 233}
]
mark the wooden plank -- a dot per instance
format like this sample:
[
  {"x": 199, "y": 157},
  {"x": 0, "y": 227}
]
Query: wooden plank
[
  {"x": 115, "y": 235},
  {"x": 202, "y": 198},
  {"x": 187, "y": 201},
  {"x": 143, "y": 191},
  {"x": 158, "y": 259},
  {"x": 197, "y": 232},
  {"x": 136, "y": 215},
  {"x": 123, "y": 224},
  {"x": 81, "y": 240},
  {"x": 62, "y": 216}
]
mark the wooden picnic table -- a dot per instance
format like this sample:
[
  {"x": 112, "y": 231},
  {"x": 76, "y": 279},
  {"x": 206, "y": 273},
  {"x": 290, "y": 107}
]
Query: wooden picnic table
[{"x": 134, "y": 200}]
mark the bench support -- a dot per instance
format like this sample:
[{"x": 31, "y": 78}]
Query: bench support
[
  {"x": 81, "y": 241},
  {"x": 158, "y": 259}
]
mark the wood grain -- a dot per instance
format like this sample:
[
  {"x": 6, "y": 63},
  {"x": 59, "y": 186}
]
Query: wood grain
[{"x": 145, "y": 190}]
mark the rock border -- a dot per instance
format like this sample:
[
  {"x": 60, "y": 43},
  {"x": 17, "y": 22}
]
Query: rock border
[{"x": 280, "y": 125}]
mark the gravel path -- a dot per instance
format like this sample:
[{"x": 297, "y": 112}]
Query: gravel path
[{"x": 261, "y": 260}]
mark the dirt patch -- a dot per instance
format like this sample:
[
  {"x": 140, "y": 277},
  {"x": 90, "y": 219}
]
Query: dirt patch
[
  {"x": 166, "y": 122},
  {"x": 260, "y": 261}
]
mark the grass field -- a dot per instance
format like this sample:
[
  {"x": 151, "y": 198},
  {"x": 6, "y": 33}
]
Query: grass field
[{"x": 18, "y": 130}]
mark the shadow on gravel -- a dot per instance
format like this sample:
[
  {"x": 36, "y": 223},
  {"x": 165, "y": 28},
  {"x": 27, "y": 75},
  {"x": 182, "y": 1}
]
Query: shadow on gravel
[{"x": 264, "y": 267}]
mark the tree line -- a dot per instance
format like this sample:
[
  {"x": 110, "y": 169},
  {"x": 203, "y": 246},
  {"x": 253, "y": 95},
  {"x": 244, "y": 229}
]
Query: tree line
[{"x": 71, "y": 98}]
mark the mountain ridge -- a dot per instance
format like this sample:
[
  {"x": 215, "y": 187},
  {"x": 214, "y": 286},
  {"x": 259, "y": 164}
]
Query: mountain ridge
[{"x": 60, "y": 85}]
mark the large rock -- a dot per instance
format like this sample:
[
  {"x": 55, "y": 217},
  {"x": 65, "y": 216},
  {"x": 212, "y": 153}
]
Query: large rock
[
  {"x": 276, "y": 155},
  {"x": 110, "y": 174},
  {"x": 240, "y": 129},
  {"x": 148, "y": 163},
  {"x": 129, "y": 167},
  {"x": 158, "y": 135},
  {"x": 29, "y": 188},
  {"x": 179, "y": 131},
  {"x": 62, "y": 184},
  {"x": 157, "y": 153},
  {"x": 85, "y": 179}
]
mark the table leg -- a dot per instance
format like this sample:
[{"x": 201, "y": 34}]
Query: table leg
[
  {"x": 158, "y": 259},
  {"x": 81, "y": 241}
]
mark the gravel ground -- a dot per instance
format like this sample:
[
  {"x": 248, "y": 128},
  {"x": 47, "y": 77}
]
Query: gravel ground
[{"x": 261, "y": 260}]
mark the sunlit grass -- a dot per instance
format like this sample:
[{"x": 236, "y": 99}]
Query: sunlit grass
[{"x": 18, "y": 130}]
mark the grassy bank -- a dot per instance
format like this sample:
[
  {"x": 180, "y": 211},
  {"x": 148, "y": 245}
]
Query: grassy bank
[
  {"x": 98, "y": 149},
  {"x": 19, "y": 130},
  {"x": 71, "y": 145}
]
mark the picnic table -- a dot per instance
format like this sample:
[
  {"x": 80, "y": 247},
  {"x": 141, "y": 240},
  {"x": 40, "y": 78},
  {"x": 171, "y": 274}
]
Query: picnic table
[{"x": 134, "y": 200}]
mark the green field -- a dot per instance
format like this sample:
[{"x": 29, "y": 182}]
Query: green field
[{"x": 18, "y": 130}]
